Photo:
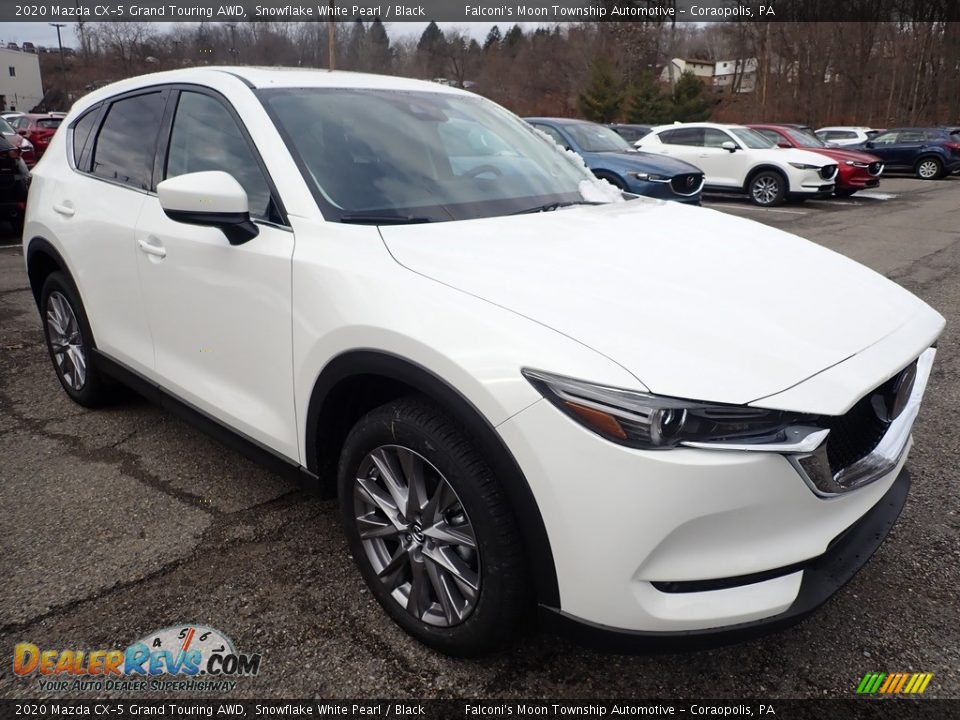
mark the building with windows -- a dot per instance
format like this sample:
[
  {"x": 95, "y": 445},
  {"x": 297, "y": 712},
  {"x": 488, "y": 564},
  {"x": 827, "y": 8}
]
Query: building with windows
[{"x": 20, "y": 84}]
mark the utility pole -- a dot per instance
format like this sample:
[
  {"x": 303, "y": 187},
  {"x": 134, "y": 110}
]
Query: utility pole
[
  {"x": 63, "y": 71},
  {"x": 332, "y": 37}
]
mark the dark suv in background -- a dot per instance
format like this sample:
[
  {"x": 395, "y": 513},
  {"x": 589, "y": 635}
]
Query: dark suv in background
[
  {"x": 14, "y": 183},
  {"x": 929, "y": 153}
]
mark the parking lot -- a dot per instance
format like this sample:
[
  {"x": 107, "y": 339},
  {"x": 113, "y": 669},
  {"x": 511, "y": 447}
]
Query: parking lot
[{"x": 122, "y": 521}]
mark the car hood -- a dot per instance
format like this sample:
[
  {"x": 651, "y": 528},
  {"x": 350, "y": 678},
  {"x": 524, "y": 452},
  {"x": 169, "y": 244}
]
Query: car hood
[
  {"x": 843, "y": 155},
  {"x": 635, "y": 161},
  {"x": 693, "y": 302},
  {"x": 795, "y": 155}
]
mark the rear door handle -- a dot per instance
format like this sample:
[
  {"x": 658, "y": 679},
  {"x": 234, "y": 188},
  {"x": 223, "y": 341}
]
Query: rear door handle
[
  {"x": 64, "y": 209},
  {"x": 151, "y": 249}
]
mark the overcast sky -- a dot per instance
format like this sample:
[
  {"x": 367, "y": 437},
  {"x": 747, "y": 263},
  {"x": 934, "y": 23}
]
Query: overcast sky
[{"x": 42, "y": 34}]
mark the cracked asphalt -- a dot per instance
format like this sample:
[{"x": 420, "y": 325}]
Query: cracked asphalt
[{"x": 117, "y": 522}]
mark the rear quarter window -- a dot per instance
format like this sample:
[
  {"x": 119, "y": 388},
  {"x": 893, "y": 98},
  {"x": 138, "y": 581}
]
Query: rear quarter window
[{"x": 81, "y": 133}]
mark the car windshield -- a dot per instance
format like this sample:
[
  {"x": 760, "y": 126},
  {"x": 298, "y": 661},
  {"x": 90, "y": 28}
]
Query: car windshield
[
  {"x": 382, "y": 156},
  {"x": 49, "y": 123},
  {"x": 5, "y": 128},
  {"x": 597, "y": 138},
  {"x": 752, "y": 139},
  {"x": 804, "y": 139}
]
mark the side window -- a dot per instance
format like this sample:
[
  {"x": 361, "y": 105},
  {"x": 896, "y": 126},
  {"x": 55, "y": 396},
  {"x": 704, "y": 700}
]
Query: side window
[
  {"x": 127, "y": 142},
  {"x": 684, "y": 136},
  {"x": 206, "y": 137},
  {"x": 557, "y": 137},
  {"x": 770, "y": 135},
  {"x": 910, "y": 136},
  {"x": 886, "y": 139},
  {"x": 81, "y": 132},
  {"x": 716, "y": 138}
]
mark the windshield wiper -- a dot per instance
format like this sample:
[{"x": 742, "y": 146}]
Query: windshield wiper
[
  {"x": 382, "y": 219},
  {"x": 550, "y": 207}
]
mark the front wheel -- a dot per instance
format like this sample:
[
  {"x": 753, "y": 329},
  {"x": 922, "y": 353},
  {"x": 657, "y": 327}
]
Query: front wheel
[
  {"x": 431, "y": 529},
  {"x": 767, "y": 188},
  {"x": 929, "y": 168}
]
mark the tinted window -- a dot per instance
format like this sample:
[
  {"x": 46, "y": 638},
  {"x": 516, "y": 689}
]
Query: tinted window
[
  {"x": 49, "y": 123},
  {"x": 127, "y": 142},
  {"x": 557, "y": 137},
  {"x": 206, "y": 137},
  {"x": 886, "y": 139},
  {"x": 81, "y": 131},
  {"x": 683, "y": 136},
  {"x": 715, "y": 138},
  {"x": 910, "y": 136},
  {"x": 840, "y": 135},
  {"x": 770, "y": 135}
]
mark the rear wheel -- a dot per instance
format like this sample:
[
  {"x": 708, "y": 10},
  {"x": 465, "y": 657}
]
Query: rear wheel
[
  {"x": 767, "y": 188},
  {"x": 70, "y": 342},
  {"x": 929, "y": 168},
  {"x": 431, "y": 529}
]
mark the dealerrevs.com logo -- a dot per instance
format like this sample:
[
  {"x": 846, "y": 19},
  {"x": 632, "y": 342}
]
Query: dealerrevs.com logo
[
  {"x": 894, "y": 683},
  {"x": 179, "y": 658}
]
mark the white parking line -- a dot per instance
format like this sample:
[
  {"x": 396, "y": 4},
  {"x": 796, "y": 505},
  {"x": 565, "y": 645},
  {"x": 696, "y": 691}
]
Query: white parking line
[
  {"x": 754, "y": 208},
  {"x": 877, "y": 195}
]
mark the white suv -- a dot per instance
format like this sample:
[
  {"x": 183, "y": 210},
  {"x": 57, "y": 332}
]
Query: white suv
[
  {"x": 740, "y": 160},
  {"x": 654, "y": 422}
]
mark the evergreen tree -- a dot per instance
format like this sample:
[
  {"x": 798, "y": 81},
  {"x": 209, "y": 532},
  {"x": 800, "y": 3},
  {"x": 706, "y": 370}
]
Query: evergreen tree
[
  {"x": 648, "y": 103},
  {"x": 493, "y": 38},
  {"x": 513, "y": 40},
  {"x": 690, "y": 101},
  {"x": 432, "y": 48},
  {"x": 356, "y": 46},
  {"x": 601, "y": 100},
  {"x": 378, "y": 45}
]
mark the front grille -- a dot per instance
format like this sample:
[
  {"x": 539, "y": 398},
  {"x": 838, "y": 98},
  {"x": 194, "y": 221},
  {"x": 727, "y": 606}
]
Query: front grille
[
  {"x": 875, "y": 168},
  {"x": 828, "y": 171},
  {"x": 686, "y": 184},
  {"x": 854, "y": 435}
]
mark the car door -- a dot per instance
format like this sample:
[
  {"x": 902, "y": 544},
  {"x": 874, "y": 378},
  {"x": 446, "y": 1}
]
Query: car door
[
  {"x": 887, "y": 147},
  {"x": 220, "y": 314},
  {"x": 721, "y": 167},
  {"x": 112, "y": 148},
  {"x": 683, "y": 143}
]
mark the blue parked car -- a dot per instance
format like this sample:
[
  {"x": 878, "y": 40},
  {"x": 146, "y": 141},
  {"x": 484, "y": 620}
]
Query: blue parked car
[
  {"x": 612, "y": 158},
  {"x": 929, "y": 153}
]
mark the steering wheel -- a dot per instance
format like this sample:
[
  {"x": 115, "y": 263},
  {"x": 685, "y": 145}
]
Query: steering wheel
[{"x": 481, "y": 169}]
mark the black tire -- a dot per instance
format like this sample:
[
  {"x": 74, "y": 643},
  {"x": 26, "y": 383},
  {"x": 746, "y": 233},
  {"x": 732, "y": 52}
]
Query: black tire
[
  {"x": 845, "y": 193},
  {"x": 767, "y": 188},
  {"x": 928, "y": 168},
  {"x": 502, "y": 600},
  {"x": 93, "y": 391}
]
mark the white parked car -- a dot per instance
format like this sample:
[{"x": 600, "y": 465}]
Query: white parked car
[
  {"x": 841, "y": 135},
  {"x": 655, "y": 422},
  {"x": 739, "y": 160}
]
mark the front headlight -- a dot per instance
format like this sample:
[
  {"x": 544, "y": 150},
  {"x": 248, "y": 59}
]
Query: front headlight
[
  {"x": 654, "y": 422},
  {"x": 804, "y": 166},
  {"x": 650, "y": 177}
]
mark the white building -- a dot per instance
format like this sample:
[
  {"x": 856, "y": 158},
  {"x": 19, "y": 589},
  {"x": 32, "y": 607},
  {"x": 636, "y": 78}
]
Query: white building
[
  {"x": 702, "y": 69},
  {"x": 742, "y": 72},
  {"x": 20, "y": 85}
]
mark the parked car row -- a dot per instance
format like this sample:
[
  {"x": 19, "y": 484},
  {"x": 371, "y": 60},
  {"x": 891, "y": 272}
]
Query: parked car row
[{"x": 769, "y": 162}]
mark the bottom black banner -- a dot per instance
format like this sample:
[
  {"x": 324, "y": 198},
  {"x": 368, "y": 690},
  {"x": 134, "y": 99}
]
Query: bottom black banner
[{"x": 487, "y": 709}]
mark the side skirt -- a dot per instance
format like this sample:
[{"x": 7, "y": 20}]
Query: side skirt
[{"x": 225, "y": 435}]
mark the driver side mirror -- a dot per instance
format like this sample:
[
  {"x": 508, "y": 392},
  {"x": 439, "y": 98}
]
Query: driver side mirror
[
  {"x": 869, "y": 143},
  {"x": 210, "y": 199},
  {"x": 729, "y": 146}
]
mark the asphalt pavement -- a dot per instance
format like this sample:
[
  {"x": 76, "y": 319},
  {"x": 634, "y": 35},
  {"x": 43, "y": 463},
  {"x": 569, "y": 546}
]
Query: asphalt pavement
[{"x": 117, "y": 522}]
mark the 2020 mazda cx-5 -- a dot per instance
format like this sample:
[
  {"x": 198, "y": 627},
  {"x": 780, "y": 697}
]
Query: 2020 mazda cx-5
[
  {"x": 653, "y": 421},
  {"x": 735, "y": 159}
]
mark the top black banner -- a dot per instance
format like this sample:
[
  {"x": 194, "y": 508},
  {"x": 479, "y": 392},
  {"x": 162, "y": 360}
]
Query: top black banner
[{"x": 506, "y": 11}]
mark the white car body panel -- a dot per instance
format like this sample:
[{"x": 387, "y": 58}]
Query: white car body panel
[{"x": 661, "y": 294}]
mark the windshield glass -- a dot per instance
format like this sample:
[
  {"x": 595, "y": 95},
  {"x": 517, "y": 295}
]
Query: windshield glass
[
  {"x": 752, "y": 139},
  {"x": 5, "y": 128},
  {"x": 805, "y": 139},
  {"x": 597, "y": 138},
  {"x": 376, "y": 155}
]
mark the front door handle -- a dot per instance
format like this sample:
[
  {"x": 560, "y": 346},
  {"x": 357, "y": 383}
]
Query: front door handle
[
  {"x": 151, "y": 249},
  {"x": 65, "y": 209}
]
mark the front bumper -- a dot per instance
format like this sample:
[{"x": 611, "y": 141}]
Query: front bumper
[{"x": 822, "y": 577}]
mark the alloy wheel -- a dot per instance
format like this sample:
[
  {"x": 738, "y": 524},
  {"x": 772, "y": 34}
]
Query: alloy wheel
[
  {"x": 66, "y": 342},
  {"x": 417, "y": 536},
  {"x": 765, "y": 190},
  {"x": 928, "y": 169}
]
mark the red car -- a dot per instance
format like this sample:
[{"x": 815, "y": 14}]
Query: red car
[
  {"x": 857, "y": 170},
  {"x": 19, "y": 142},
  {"x": 38, "y": 129}
]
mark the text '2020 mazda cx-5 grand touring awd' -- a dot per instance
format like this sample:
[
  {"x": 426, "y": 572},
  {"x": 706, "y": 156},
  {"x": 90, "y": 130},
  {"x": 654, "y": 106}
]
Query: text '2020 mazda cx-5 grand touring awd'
[{"x": 653, "y": 421}]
